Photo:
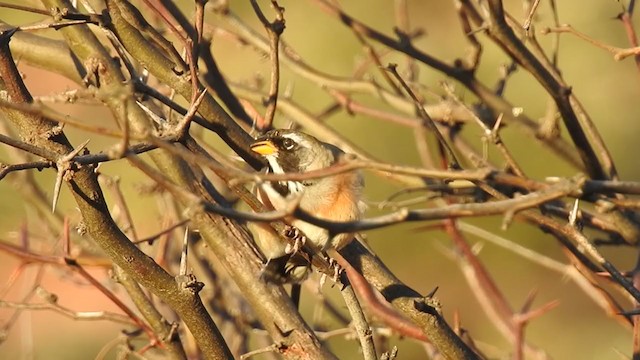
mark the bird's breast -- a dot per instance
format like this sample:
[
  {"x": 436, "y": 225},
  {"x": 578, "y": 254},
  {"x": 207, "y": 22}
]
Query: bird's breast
[{"x": 334, "y": 198}]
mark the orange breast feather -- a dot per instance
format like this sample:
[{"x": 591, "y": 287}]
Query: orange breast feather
[{"x": 340, "y": 205}]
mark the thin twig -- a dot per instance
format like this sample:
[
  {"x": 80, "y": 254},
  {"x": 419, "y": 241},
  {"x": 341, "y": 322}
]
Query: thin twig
[
  {"x": 75, "y": 315},
  {"x": 452, "y": 211},
  {"x": 618, "y": 53},
  {"x": 363, "y": 329},
  {"x": 274, "y": 30},
  {"x": 532, "y": 11},
  {"x": 427, "y": 120}
]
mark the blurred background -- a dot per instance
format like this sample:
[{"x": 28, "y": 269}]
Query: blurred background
[{"x": 422, "y": 258}]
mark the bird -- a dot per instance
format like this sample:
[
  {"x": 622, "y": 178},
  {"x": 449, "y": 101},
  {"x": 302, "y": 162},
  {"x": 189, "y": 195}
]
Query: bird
[{"x": 336, "y": 197}]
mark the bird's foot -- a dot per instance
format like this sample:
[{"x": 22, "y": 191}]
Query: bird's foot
[
  {"x": 334, "y": 271},
  {"x": 298, "y": 240}
]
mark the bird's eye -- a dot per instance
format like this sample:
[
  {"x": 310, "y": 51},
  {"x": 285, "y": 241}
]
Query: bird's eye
[{"x": 288, "y": 143}]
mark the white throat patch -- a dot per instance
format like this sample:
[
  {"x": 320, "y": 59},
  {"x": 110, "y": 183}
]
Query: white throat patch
[
  {"x": 295, "y": 187},
  {"x": 273, "y": 163}
]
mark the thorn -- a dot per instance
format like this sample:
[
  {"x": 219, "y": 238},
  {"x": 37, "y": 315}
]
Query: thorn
[
  {"x": 156, "y": 118},
  {"x": 75, "y": 151},
  {"x": 56, "y": 188},
  {"x": 183, "y": 257},
  {"x": 63, "y": 165},
  {"x": 529, "y": 301},
  {"x": 432, "y": 293},
  {"x": 524, "y": 318},
  {"x": 496, "y": 126},
  {"x": 573, "y": 215}
]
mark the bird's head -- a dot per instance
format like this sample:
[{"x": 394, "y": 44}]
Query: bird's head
[{"x": 291, "y": 151}]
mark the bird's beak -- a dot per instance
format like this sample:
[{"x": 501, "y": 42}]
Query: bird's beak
[{"x": 264, "y": 147}]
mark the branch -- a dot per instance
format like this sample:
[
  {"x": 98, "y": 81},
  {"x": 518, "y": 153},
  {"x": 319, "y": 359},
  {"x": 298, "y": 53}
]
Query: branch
[
  {"x": 363, "y": 330},
  {"x": 88, "y": 195},
  {"x": 510, "y": 206},
  {"x": 577, "y": 126},
  {"x": 422, "y": 311},
  {"x": 464, "y": 76},
  {"x": 274, "y": 30}
]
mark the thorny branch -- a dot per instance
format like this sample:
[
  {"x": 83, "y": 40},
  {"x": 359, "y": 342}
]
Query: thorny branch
[{"x": 147, "y": 69}]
